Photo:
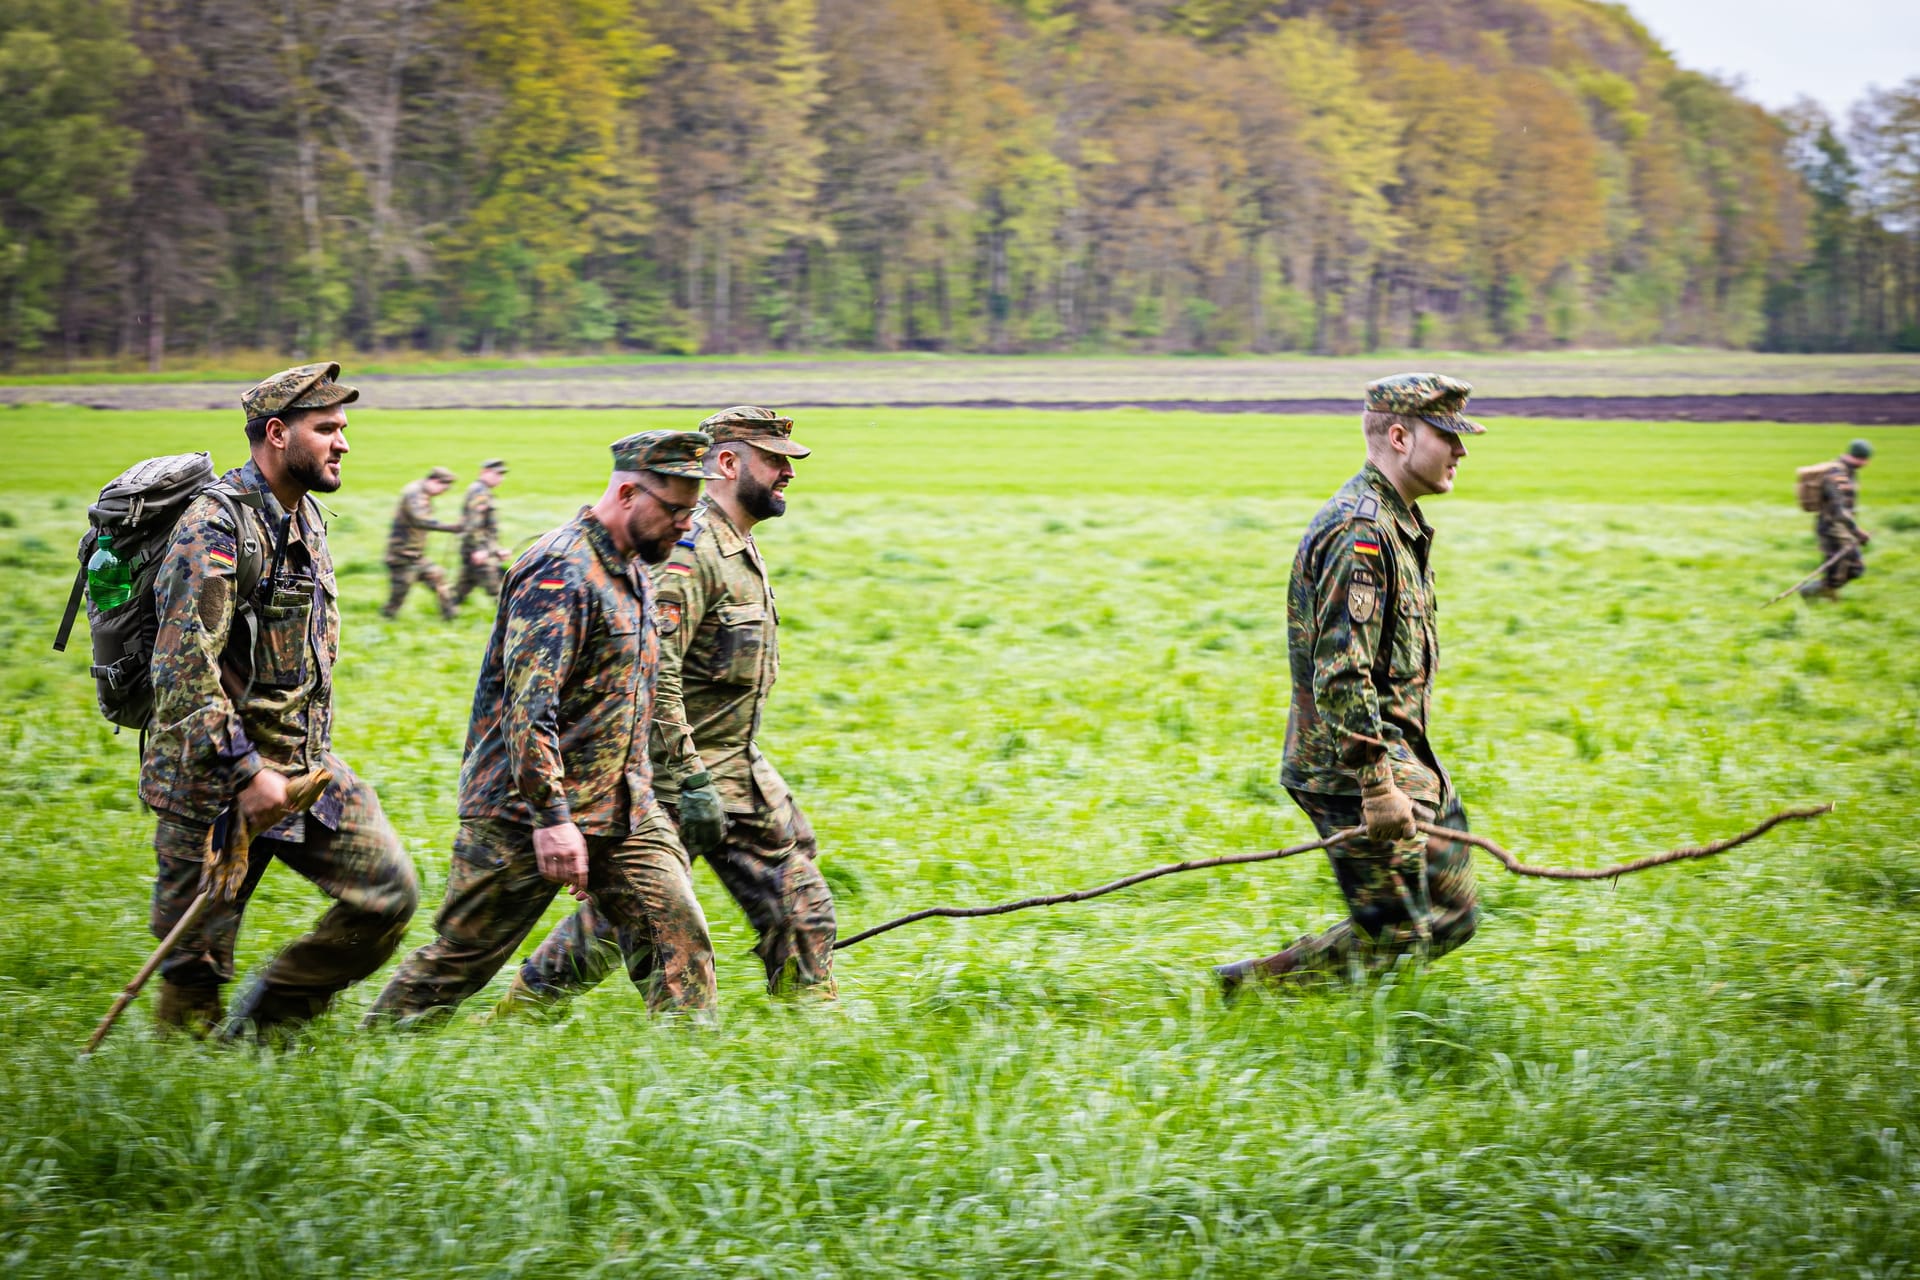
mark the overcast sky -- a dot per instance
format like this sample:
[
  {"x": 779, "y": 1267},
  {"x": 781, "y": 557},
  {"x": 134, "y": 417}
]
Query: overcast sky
[{"x": 1829, "y": 50}]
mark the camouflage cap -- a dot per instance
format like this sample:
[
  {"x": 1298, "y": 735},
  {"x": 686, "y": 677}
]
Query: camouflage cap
[
  {"x": 494, "y": 464},
  {"x": 441, "y": 473},
  {"x": 1431, "y": 397},
  {"x": 1859, "y": 449},
  {"x": 671, "y": 453},
  {"x": 305, "y": 386},
  {"x": 761, "y": 428}
]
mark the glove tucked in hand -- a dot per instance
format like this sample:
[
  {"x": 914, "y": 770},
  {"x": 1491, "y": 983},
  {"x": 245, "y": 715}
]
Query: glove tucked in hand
[
  {"x": 1387, "y": 811},
  {"x": 703, "y": 819}
]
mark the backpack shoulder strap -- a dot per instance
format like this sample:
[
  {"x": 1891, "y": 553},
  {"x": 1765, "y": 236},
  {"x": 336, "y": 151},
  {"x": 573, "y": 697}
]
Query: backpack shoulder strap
[{"x": 250, "y": 554}]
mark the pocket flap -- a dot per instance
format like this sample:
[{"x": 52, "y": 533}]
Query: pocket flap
[{"x": 734, "y": 615}]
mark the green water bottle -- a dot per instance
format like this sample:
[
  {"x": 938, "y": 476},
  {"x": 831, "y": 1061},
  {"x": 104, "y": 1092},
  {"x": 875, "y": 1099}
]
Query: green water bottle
[{"x": 109, "y": 578}]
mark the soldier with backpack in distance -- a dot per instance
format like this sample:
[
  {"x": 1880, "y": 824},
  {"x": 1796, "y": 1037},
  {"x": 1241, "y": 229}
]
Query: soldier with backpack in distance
[
  {"x": 1831, "y": 490},
  {"x": 248, "y": 629}
]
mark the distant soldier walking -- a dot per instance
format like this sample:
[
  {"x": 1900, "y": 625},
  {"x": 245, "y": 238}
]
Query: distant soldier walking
[
  {"x": 481, "y": 555},
  {"x": 1835, "y": 493},
  {"x": 555, "y": 787},
  {"x": 719, "y": 658},
  {"x": 241, "y": 707},
  {"x": 1363, "y": 645},
  {"x": 407, "y": 560}
]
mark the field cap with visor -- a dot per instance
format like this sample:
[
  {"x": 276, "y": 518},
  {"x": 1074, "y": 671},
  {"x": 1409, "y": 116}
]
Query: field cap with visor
[
  {"x": 761, "y": 428},
  {"x": 305, "y": 386},
  {"x": 671, "y": 453},
  {"x": 1433, "y": 398}
]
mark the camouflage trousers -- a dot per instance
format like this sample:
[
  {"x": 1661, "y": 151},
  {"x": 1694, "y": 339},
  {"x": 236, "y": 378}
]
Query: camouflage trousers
[
  {"x": 1402, "y": 896},
  {"x": 495, "y": 894},
  {"x": 403, "y": 575},
  {"x": 361, "y": 867},
  {"x": 484, "y": 576},
  {"x": 1835, "y": 540},
  {"x": 767, "y": 863}
]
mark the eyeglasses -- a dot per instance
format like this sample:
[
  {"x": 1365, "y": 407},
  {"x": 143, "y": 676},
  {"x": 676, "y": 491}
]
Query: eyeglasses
[{"x": 673, "y": 509}]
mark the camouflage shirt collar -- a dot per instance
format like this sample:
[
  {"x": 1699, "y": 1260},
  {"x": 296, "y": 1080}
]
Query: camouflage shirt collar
[
  {"x": 731, "y": 541},
  {"x": 601, "y": 541},
  {"x": 1409, "y": 518}
]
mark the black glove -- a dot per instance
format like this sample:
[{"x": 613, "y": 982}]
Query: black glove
[{"x": 703, "y": 819}]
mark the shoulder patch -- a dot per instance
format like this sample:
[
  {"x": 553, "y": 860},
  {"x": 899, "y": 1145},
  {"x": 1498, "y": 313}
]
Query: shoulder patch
[{"x": 669, "y": 616}]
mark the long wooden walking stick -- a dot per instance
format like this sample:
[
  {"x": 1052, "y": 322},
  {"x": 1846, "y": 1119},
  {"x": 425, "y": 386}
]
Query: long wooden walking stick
[
  {"x": 1506, "y": 859},
  {"x": 226, "y": 871},
  {"x": 1830, "y": 562}
]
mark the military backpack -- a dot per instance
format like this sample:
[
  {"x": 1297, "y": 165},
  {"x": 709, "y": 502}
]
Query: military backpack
[
  {"x": 136, "y": 514},
  {"x": 1809, "y": 481}
]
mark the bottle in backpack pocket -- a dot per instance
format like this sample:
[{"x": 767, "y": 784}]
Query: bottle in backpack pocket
[{"x": 109, "y": 578}]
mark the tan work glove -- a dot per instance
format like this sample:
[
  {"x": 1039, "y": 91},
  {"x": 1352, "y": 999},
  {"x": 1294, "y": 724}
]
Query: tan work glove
[{"x": 1387, "y": 811}]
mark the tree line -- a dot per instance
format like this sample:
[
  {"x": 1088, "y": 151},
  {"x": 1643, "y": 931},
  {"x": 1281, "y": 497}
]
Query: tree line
[{"x": 188, "y": 176}]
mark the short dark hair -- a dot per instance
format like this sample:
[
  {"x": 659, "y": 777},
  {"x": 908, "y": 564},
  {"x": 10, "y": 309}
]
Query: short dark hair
[{"x": 257, "y": 427}]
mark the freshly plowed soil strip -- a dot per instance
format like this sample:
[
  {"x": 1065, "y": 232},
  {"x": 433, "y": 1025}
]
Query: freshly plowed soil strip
[{"x": 1895, "y": 409}]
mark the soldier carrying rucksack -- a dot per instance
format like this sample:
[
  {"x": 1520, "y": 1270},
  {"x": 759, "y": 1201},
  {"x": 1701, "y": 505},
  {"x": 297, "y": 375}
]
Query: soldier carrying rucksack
[
  {"x": 1831, "y": 491},
  {"x": 236, "y": 608}
]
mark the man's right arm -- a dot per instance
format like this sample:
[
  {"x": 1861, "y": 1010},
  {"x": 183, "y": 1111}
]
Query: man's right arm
[
  {"x": 419, "y": 509},
  {"x": 194, "y": 598}
]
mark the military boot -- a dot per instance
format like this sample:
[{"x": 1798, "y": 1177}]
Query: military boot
[
  {"x": 193, "y": 1011},
  {"x": 520, "y": 999},
  {"x": 1234, "y": 977}
]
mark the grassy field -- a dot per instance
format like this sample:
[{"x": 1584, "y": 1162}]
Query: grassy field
[
  {"x": 852, "y": 379},
  {"x": 1034, "y": 652}
]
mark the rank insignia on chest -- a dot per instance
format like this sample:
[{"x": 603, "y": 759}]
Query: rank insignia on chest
[{"x": 1363, "y": 595}]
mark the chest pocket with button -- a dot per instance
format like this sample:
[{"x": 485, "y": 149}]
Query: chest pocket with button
[
  {"x": 286, "y": 617},
  {"x": 735, "y": 643}
]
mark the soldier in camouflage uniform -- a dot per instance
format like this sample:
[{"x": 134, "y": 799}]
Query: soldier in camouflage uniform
[
  {"x": 556, "y": 788},
  {"x": 481, "y": 555},
  {"x": 1363, "y": 644},
  {"x": 1839, "y": 534},
  {"x": 719, "y": 658},
  {"x": 241, "y": 709},
  {"x": 407, "y": 561}
]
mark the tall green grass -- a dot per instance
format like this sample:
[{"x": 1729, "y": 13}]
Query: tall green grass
[{"x": 1035, "y": 652}]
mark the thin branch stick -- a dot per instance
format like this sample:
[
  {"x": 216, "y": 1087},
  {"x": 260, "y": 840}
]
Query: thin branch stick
[
  {"x": 1081, "y": 895},
  {"x": 1506, "y": 859},
  {"x": 1520, "y": 868},
  {"x": 222, "y": 881},
  {"x": 187, "y": 920},
  {"x": 1831, "y": 560}
]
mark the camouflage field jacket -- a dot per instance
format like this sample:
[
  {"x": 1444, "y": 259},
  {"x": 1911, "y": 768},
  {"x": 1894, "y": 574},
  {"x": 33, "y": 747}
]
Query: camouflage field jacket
[
  {"x": 719, "y": 658},
  {"x": 1362, "y": 645},
  {"x": 559, "y": 728},
  {"x": 412, "y": 522},
  {"x": 226, "y": 703}
]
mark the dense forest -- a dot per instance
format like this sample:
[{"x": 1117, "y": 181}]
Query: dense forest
[{"x": 189, "y": 176}]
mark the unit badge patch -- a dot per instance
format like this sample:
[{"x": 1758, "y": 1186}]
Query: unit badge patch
[
  {"x": 1363, "y": 595},
  {"x": 669, "y": 611}
]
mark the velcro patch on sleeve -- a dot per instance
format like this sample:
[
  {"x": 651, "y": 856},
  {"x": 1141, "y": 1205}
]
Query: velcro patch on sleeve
[
  {"x": 552, "y": 584},
  {"x": 1363, "y": 594},
  {"x": 669, "y": 616},
  {"x": 682, "y": 570},
  {"x": 220, "y": 557},
  {"x": 1363, "y": 546}
]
